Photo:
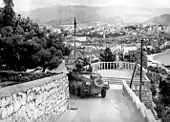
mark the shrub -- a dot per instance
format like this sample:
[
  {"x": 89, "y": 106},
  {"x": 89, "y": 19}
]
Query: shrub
[{"x": 21, "y": 77}]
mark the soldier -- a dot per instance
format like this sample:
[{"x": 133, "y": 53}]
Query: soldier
[{"x": 90, "y": 68}]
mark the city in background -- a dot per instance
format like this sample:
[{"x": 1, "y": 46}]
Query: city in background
[{"x": 53, "y": 52}]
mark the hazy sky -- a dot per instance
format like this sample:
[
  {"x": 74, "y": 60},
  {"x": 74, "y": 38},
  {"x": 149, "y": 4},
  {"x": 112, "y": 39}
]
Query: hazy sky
[{"x": 25, "y": 5}]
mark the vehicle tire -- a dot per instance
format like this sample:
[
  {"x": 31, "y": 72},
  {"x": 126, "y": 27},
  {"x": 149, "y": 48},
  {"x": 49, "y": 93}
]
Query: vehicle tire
[
  {"x": 103, "y": 93},
  {"x": 72, "y": 90},
  {"x": 82, "y": 93},
  {"x": 76, "y": 91}
]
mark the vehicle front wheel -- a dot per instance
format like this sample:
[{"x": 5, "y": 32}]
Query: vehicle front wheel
[
  {"x": 103, "y": 93},
  {"x": 82, "y": 93},
  {"x": 76, "y": 92}
]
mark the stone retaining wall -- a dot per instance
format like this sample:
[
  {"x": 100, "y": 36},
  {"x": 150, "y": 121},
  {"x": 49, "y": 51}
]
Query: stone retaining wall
[
  {"x": 146, "y": 92},
  {"x": 146, "y": 113},
  {"x": 42, "y": 100}
]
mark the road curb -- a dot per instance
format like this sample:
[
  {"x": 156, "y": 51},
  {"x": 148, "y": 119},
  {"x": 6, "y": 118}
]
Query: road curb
[{"x": 146, "y": 113}]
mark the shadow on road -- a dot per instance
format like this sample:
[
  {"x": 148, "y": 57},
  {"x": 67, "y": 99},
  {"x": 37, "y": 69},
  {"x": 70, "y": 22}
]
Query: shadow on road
[{"x": 74, "y": 97}]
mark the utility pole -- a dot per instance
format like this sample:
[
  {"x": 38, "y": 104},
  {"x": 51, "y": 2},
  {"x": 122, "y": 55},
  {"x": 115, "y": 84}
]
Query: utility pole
[
  {"x": 133, "y": 75},
  {"x": 104, "y": 38},
  {"x": 75, "y": 24},
  {"x": 141, "y": 67}
]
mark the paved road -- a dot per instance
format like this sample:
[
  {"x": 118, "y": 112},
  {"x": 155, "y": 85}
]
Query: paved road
[
  {"x": 114, "y": 108},
  {"x": 115, "y": 73}
]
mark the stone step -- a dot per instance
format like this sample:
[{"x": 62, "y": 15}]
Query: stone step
[{"x": 115, "y": 82}]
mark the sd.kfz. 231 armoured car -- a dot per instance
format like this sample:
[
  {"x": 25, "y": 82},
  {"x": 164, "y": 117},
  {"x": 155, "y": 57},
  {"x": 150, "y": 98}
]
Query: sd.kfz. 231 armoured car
[{"x": 82, "y": 84}]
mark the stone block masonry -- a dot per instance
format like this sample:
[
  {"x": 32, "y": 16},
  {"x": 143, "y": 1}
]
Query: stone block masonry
[
  {"x": 42, "y": 100},
  {"x": 146, "y": 113}
]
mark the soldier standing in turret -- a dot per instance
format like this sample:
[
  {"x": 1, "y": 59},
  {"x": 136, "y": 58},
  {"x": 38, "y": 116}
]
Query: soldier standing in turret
[{"x": 90, "y": 68}]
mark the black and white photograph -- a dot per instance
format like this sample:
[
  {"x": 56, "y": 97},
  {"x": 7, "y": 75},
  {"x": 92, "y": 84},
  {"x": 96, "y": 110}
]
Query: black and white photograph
[{"x": 84, "y": 60}]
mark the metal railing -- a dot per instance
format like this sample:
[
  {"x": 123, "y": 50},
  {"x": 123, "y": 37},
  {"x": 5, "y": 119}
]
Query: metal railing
[
  {"x": 111, "y": 65},
  {"x": 125, "y": 66},
  {"x": 117, "y": 65}
]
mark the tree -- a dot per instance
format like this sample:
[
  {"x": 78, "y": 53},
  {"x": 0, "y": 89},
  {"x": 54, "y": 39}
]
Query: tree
[
  {"x": 47, "y": 58},
  {"x": 67, "y": 50},
  {"x": 8, "y": 13},
  {"x": 107, "y": 55},
  {"x": 24, "y": 45}
]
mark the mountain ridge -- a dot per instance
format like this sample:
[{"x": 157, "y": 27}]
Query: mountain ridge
[
  {"x": 163, "y": 19},
  {"x": 63, "y": 14}
]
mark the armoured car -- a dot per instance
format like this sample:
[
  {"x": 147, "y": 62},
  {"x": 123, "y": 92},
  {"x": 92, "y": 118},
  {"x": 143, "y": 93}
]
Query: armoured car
[{"x": 87, "y": 84}]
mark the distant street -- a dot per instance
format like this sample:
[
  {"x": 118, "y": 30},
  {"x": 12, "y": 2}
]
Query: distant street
[{"x": 114, "y": 108}]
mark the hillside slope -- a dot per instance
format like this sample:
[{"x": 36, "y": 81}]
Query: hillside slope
[
  {"x": 162, "y": 19},
  {"x": 63, "y": 14}
]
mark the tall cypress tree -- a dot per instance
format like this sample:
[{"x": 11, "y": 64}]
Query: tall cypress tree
[
  {"x": 8, "y": 13},
  {"x": 107, "y": 55}
]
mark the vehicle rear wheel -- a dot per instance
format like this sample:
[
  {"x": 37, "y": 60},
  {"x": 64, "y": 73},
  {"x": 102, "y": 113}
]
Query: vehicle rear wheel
[
  {"x": 103, "y": 93},
  {"x": 82, "y": 93},
  {"x": 72, "y": 90},
  {"x": 76, "y": 91}
]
